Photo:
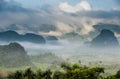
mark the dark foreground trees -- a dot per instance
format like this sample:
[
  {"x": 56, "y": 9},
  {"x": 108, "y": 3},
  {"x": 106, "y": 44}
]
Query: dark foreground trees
[{"x": 69, "y": 72}]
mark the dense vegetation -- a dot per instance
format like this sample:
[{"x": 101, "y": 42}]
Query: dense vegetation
[{"x": 69, "y": 72}]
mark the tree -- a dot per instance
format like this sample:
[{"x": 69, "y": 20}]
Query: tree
[
  {"x": 29, "y": 74},
  {"x": 16, "y": 75},
  {"x": 47, "y": 74}
]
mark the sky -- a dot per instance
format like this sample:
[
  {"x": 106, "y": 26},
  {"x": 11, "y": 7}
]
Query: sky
[
  {"x": 107, "y": 4},
  {"x": 57, "y": 17}
]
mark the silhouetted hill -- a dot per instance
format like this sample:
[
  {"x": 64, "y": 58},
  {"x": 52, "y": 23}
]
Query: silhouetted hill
[
  {"x": 33, "y": 38},
  {"x": 51, "y": 38},
  {"x": 13, "y": 55},
  {"x": 12, "y": 36},
  {"x": 105, "y": 39}
]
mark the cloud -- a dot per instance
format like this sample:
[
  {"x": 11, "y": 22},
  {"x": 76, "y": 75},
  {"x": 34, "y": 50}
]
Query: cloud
[
  {"x": 99, "y": 14},
  {"x": 64, "y": 28},
  {"x": 10, "y": 5},
  {"x": 54, "y": 20},
  {"x": 103, "y": 14},
  {"x": 84, "y": 5},
  {"x": 118, "y": 2},
  {"x": 7, "y": 18},
  {"x": 87, "y": 26},
  {"x": 55, "y": 33}
]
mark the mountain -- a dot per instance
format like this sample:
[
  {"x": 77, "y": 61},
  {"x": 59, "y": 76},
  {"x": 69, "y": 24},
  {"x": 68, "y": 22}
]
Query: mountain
[
  {"x": 72, "y": 36},
  {"x": 105, "y": 39},
  {"x": 51, "y": 38},
  {"x": 13, "y": 55},
  {"x": 12, "y": 36},
  {"x": 113, "y": 27},
  {"x": 33, "y": 38}
]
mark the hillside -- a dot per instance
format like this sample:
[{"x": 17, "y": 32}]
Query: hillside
[
  {"x": 106, "y": 38},
  {"x": 13, "y": 55}
]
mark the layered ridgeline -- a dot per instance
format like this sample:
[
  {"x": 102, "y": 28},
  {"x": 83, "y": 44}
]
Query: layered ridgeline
[
  {"x": 51, "y": 38},
  {"x": 106, "y": 38},
  {"x": 12, "y": 36},
  {"x": 13, "y": 55},
  {"x": 73, "y": 36}
]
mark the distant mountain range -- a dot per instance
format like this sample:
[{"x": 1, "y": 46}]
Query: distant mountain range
[
  {"x": 51, "y": 38},
  {"x": 72, "y": 36},
  {"x": 13, "y": 55},
  {"x": 12, "y": 36},
  {"x": 98, "y": 28}
]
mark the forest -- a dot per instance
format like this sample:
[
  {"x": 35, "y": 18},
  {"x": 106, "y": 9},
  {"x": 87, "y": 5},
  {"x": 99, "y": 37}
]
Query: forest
[{"x": 67, "y": 72}]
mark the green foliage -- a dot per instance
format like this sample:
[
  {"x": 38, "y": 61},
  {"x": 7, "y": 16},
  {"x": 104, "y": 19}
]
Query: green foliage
[
  {"x": 77, "y": 72},
  {"x": 58, "y": 75},
  {"x": 69, "y": 72}
]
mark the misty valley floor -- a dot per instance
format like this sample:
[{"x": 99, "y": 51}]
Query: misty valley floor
[{"x": 51, "y": 56}]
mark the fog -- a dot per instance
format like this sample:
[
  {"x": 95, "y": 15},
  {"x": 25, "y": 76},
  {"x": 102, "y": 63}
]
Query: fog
[
  {"x": 60, "y": 47},
  {"x": 74, "y": 52}
]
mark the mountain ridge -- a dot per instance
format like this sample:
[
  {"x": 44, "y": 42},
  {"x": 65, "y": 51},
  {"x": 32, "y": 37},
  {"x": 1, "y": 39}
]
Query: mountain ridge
[
  {"x": 13, "y": 36},
  {"x": 106, "y": 38}
]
